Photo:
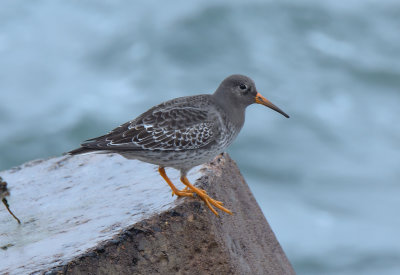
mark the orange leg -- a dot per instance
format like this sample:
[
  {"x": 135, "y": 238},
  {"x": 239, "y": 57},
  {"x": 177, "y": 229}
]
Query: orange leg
[
  {"x": 175, "y": 190},
  {"x": 206, "y": 198}
]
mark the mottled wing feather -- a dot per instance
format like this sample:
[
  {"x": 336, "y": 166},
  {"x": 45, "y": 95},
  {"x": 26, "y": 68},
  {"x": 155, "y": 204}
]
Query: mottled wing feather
[{"x": 177, "y": 128}]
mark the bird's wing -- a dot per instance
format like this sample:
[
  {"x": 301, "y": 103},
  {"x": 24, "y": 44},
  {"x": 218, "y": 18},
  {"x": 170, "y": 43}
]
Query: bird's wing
[{"x": 177, "y": 128}]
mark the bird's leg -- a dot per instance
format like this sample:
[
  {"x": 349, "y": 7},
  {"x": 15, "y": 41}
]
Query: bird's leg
[
  {"x": 175, "y": 190},
  {"x": 206, "y": 198},
  {"x": 9, "y": 211}
]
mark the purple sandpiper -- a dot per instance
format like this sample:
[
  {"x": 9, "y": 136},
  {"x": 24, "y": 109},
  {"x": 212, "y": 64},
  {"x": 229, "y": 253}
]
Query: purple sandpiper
[{"x": 184, "y": 132}]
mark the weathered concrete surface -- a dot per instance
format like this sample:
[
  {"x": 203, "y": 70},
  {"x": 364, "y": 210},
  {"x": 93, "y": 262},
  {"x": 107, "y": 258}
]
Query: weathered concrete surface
[{"x": 102, "y": 214}]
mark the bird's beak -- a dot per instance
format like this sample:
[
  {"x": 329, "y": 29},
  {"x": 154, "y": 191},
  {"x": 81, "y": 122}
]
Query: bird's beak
[{"x": 262, "y": 100}]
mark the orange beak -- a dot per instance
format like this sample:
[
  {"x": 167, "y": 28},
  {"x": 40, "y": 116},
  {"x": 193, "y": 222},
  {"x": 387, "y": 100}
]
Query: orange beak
[{"x": 262, "y": 100}]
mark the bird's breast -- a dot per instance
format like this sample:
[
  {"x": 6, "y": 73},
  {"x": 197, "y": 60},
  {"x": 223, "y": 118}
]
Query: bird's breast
[{"x": 229, "y": 132}]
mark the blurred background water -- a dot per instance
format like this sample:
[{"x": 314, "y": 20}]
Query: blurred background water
[{"x": 327, "y": 179}]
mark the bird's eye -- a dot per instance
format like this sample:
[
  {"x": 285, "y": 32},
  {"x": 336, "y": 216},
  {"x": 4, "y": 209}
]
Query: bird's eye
[{"x": 243, "y": 87}]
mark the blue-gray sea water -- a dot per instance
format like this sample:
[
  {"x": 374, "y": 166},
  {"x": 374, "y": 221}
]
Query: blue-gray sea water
[{"x": 327, "y": 179}]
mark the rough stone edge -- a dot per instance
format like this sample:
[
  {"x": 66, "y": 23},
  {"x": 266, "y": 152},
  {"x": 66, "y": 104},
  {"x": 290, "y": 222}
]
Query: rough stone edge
[{"x": 153, "y": 245}]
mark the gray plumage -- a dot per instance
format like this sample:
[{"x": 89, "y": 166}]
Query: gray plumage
[{"x": 184, "y": 132}]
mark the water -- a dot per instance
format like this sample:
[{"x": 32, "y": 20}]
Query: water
[{"x": 327, "y": 179}]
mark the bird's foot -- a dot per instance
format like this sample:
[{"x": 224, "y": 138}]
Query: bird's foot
[
  {"x": 186, "y": 192},
  {"x": 210, "y": 202},
  {"x": 175, "y": 191},
  {"x": 209, "y": 198},
  {"x": 190, "y": 190},
  {"x": 183, "y": 193}
]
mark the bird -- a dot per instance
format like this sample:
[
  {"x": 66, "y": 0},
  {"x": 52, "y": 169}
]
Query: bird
[
  {"x": 4, "y": 193},
  {"x": 184, "y": 132}
]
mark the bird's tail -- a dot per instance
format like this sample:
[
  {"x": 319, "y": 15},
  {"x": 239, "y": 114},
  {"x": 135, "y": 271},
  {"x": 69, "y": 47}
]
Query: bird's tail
[{"x": 81, "y": 150}]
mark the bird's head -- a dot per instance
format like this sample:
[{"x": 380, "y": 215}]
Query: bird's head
[{"x": 241, "y": 91}]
